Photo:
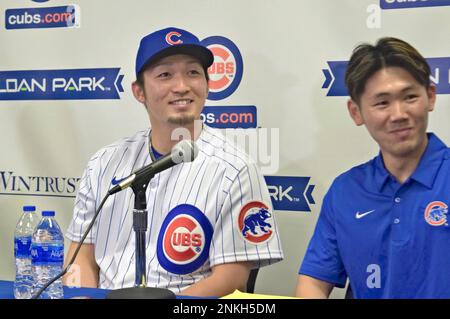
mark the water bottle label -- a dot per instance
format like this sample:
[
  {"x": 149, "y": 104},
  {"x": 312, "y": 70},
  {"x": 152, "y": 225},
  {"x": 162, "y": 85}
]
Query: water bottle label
[
  {"x": 22, "y": 247},
  {"x": 45, "y": 253}
]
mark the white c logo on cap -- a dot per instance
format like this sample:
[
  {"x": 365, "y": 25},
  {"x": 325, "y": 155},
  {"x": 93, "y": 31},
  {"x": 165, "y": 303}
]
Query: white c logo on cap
[{"x": 172, "y": 34}]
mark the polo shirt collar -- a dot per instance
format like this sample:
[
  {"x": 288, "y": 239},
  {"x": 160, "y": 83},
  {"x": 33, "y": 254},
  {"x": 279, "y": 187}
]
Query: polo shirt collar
[
  {"x": 381, "y": 173},
  {"x": 425, "y": 172},
  {"x": 431, "y": 161}
]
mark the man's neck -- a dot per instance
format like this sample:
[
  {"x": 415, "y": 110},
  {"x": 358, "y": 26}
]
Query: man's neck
[
  {"x": 163, "y": 139},
  {"x": 402, "y": 167}
]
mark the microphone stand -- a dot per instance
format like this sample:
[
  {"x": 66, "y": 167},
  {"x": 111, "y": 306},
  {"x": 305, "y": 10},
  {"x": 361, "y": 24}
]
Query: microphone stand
[{"x": 140, "y": 222}]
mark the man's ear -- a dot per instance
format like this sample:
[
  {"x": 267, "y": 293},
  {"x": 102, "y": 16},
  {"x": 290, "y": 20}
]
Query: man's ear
[
  {"x": 138, "y": 92},
  {"x": 355, "y": 112},
  {"x": 431, "y": 92}
]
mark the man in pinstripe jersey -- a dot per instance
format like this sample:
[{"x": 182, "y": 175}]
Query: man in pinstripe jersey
[{"x": 210, "y": 220}]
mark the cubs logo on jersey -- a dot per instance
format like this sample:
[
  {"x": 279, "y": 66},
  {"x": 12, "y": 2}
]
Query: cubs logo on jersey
[
  {"x": 184, "y": 240},
  {"x": 436, "y": 213},
  {"x": 255, "y": 222}
]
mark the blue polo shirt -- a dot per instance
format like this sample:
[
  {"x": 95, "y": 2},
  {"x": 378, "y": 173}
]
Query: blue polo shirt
[{"x": 391, "y": 240}]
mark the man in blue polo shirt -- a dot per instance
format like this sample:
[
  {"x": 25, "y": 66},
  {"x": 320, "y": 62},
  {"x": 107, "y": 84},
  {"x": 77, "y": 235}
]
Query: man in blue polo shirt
[{"x": 383, "y": 224}]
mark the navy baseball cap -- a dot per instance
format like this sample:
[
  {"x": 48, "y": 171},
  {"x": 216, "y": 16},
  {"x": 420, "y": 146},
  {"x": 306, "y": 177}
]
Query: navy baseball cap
[{"x": 171, "y": 41}]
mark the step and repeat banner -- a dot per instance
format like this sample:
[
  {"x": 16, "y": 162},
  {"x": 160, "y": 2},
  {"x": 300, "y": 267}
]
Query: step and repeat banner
[{"x": 66, "y": 68}]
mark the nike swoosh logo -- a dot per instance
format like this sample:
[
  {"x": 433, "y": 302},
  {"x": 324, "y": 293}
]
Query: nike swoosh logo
[
  {"x": 359, "y": 215},
  {"x": 115, "y": 181}
]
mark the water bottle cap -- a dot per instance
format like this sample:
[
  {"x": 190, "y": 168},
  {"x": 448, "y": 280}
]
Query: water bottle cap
[
  {"x": 29, "y": 208},
  {"x": 48, "y": 213}
]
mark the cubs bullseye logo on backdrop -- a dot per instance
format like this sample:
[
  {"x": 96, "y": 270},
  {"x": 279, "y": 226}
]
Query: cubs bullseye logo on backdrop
[
  {"x": 226, "y": 71},
  {"x": 184, "y": 240},
  {"x": 436, "y": 213},
  {"x": 255, "y": 222}
]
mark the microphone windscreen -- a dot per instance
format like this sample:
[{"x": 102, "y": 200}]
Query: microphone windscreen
[{"x": 184, "y": 151}]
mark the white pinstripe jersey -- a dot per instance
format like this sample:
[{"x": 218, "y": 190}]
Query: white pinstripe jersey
[{"x": 222, "y": 187}]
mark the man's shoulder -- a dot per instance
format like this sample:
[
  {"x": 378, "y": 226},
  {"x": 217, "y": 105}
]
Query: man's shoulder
[
  {"x": 358, "y": 174},
  {"x": 218, "y": 146},
  {"x": 122, "y": 145}
]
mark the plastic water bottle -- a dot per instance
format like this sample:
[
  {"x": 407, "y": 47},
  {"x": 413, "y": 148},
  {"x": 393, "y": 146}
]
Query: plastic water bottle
[
  {"x": 23, "y": 283},
  {"x": 47, "y": 256}
]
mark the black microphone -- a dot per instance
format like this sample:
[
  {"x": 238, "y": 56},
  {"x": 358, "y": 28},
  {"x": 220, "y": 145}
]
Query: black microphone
[{"x": 183, "y": 152}]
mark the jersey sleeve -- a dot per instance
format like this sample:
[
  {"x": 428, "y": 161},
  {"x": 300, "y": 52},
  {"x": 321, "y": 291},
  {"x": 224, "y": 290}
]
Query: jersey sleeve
[
  {"x": 322, "y": 259},
  {"x": 85, "y": 206},
  {"x": 246, "y": 229}
]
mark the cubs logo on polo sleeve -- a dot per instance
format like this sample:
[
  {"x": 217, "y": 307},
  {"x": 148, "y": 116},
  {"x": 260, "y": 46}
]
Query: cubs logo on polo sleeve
[{"x": 184, "y": 240}]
